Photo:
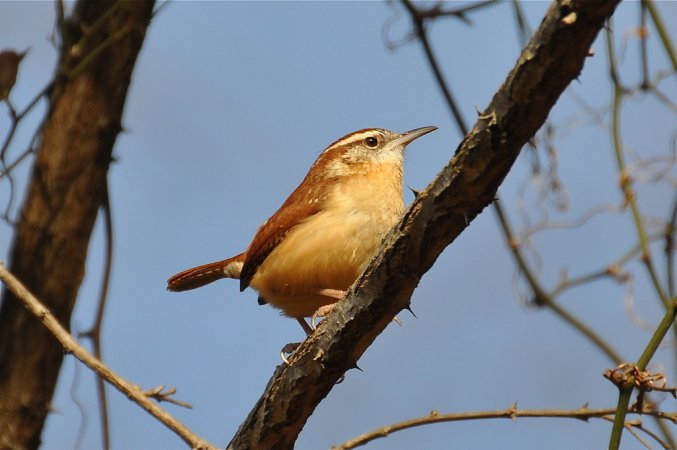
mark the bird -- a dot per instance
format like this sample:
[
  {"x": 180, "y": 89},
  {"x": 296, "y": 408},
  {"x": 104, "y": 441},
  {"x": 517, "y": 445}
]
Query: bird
[{"x": 305, "y": 257}]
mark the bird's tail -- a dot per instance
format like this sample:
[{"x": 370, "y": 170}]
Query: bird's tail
[{"x": 206, "y": 273}]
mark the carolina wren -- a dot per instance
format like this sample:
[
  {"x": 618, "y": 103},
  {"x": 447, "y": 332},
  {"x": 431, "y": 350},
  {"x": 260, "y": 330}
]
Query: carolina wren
[{"x": 307, "y": 254}]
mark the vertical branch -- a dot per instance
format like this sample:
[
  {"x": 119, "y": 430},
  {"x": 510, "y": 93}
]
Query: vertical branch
[
  {"x": 670, "y": 249},
  {"x": 643, "y": 51},
  {"x": 662, "y": 33},
  {"x": 625, "y": 180},
  {"x": 94, "y": 333}
]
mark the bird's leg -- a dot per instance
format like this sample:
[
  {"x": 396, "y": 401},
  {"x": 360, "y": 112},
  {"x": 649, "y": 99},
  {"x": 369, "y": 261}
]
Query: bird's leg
[
  {"x": 324, "y": 310},
  {"x": 333, "y": 293},
  {"x": 306, "y": 328}
]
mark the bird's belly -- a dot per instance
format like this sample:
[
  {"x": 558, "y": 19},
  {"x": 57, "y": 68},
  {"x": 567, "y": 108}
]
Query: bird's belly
[{"x": 328, "y": 251}]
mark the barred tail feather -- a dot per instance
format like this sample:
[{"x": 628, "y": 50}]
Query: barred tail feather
[{"x": 207, "y": 273}]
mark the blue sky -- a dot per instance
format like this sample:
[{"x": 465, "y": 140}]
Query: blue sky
[{"x": 230, "y": 104}]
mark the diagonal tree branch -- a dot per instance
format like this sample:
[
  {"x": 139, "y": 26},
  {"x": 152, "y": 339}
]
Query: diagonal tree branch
[{"x": 553, "y": 58}]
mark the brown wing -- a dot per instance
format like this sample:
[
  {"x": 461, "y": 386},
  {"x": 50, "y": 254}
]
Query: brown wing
[{"x": 306, "y": 201}]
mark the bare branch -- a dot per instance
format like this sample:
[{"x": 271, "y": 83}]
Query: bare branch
[{"x": 511, "y": 413}]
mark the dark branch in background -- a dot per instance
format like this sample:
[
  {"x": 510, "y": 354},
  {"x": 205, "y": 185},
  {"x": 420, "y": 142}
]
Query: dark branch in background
[
  {"x": 63, "y": 197},
  {"x": 439, "y": 10},
  {"x": 418, "y": 17},
  {"x": 670, "y": 248},
  {"x": 6, "y": 167},
  {"x": 522, "y": 24},
  {"x": 553, "y": 58},
  {"x": 94, "y": 333}
]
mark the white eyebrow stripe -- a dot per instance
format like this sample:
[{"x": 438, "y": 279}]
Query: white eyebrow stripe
[{"x": 355, "y": 137}]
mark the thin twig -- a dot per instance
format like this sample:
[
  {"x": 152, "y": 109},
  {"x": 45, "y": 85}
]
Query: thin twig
[
  {"x": 94, "y": 333},
  {"x": 511, "y": 413},
  {"x": 662, "y": 32},
  {"x": 437, "y": 10},
  {"x": 522, "y": 24},
  {"x": 643, "y": 52},
  {"x": 670, "y": 249},
  {"x": 419, "y": 26},
  {"x": 611, "y": 270},
  {"x": 625, "y": 181}
]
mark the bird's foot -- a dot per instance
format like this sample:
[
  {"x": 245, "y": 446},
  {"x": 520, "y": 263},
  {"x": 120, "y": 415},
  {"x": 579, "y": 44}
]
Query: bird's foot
[
  {"x": 322, "y": 311},
  {"x": 289, "y": 350}
]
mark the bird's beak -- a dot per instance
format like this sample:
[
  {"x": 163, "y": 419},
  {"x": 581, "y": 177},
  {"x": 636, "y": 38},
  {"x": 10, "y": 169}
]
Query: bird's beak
[{"x": 409, "y": 136}]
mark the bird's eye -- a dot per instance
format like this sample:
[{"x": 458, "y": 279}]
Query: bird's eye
[{"x": 371, "y": 142}]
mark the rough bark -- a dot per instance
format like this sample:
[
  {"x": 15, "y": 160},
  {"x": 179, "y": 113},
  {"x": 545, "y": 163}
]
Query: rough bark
[
  {"x": 101, "y": 43},
  {"x": 553, "y": 58}
]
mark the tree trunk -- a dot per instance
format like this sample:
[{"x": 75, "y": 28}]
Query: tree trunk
[{"x": 101, "y": 42}]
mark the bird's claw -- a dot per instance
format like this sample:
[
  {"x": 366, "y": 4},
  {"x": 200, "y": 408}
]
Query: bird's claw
[
  {"x": 322, "y": 311},
  {"x": 288, "y": 350}
]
